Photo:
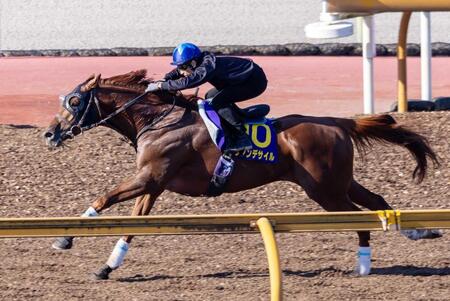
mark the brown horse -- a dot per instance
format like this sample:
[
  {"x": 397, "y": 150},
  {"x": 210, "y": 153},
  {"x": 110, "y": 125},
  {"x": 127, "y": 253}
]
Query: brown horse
[{"x": 175, "y": 152}]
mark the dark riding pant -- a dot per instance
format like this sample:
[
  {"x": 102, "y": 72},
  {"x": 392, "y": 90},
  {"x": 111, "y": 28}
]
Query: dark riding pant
[
  {"x": 252, "y": 87},
  {"x": 223, "y": 99}
]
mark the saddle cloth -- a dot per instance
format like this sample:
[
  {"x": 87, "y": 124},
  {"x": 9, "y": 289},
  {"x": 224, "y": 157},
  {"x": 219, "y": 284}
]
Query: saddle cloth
[
  {"x": 263, "y": 137},
  {"x": 261, "y": 131}
]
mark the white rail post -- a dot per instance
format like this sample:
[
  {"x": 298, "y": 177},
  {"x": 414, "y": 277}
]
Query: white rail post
[
  {"x": 369, "y": 52},
  {"x": 425, "y": 55},
  {"x": 0, "y": 25}
]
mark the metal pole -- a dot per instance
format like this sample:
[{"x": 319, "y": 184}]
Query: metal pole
[
  {"x": 425, "y": 54},
  {"x": 1, "y": 25},
  {"x": 401, "y": 62},
  {"x": 273, "y": 257},
  {"x": 369, "y": 52}
]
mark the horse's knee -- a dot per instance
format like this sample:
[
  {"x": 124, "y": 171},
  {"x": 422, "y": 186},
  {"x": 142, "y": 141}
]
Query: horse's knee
[{"x": 101, "y": 203}]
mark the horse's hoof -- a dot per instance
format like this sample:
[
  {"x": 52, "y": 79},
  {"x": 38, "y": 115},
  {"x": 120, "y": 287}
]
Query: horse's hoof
[
  {"x": 103, "y": 273},
  {"x": 434, "y": 233},
  {"x": 62, "y": 243},
  {"x": 422, "y": 234}
]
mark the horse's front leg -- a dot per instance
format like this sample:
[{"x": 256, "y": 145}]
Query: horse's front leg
[
  {"x": 142, "y": 206},
  {"x": 129, "y": 189}
]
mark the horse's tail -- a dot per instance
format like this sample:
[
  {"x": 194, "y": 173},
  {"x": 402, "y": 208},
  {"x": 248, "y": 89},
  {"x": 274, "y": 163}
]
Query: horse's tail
[{"x": 384, "y": 128}]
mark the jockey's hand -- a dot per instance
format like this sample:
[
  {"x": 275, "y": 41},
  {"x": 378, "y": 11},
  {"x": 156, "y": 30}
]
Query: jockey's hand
[{"x": 152, "y": 87}]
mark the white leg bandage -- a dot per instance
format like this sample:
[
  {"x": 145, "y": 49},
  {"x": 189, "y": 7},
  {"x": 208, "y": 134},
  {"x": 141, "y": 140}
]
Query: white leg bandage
[
  {"x": 364, "y": 264},
  {"x": 115, "y": 260},
  {"x": 89, "y": 212}
]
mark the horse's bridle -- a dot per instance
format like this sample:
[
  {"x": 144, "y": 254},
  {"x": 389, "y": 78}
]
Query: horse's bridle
[{"x": 78, "y": 128}]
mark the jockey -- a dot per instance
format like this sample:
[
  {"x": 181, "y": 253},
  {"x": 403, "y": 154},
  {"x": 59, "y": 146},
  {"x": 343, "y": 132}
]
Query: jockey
[{"x": 234, "y": 79}]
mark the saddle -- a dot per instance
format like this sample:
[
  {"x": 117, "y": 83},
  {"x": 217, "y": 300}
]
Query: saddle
[
  {"x": 253, "y": 114},
  {"x": 250, "y": 115},
  {"x": 253, "y": 117}
]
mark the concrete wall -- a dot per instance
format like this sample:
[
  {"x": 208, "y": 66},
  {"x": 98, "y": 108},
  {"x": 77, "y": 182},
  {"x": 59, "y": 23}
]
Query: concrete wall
[{"x": 68, "y": 24}]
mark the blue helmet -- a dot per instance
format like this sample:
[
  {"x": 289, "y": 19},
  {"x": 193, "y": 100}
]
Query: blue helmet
[{"x": 184, "y": 53}]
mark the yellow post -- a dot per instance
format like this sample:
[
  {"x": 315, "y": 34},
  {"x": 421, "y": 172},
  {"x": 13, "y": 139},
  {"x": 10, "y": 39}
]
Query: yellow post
[
  {"x": 273, "y": 257},
  {"x": 401, "y": 63}
]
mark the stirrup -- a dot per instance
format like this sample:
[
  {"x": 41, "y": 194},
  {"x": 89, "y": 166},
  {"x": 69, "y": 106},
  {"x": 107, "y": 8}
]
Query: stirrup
[{"x": 233, "y": 147}]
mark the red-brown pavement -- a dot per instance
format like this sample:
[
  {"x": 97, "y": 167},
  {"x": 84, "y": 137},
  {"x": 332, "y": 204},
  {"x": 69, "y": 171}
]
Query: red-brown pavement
[{"x": 30, "y": 86}]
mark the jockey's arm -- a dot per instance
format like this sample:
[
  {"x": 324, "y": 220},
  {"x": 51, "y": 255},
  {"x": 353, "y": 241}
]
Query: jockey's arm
[
  {"x": 172, "y": 75},
  {"x": 200, "y": 76}
]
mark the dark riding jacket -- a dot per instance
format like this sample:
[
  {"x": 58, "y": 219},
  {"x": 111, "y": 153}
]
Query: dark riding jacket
[{"x": 221, "y": 71}]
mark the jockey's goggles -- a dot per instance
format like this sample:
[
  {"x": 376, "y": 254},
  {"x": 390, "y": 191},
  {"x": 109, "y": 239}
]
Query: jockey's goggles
[{"x": 185, "y": 66}]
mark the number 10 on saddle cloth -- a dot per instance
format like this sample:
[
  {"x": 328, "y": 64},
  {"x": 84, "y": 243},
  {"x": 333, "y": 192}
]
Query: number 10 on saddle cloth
[{"x": 262, "y": 133}]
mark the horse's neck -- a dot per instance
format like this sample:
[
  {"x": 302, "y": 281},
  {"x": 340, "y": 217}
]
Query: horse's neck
[
  {"x": 123, "y": 123},
  {"x": 130, "y": 122},
  {"x": 123, "y": 126}
]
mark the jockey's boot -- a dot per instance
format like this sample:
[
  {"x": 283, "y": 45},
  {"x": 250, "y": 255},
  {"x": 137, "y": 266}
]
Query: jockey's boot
[{"x": 238, "y": 140}]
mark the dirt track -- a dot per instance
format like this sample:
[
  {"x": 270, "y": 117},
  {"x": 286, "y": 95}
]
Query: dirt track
[{"x": 38, "y": 182}]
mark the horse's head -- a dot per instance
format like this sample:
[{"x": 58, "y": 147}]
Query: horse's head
[
  {"x": 74, "y": 113},
  {"x": 102, "y": 101}
]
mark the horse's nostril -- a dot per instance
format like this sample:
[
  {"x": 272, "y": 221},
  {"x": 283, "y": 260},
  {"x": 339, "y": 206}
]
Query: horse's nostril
[
  {"x": 48, "y": 135},
  {"x": 75, "y": 130}
]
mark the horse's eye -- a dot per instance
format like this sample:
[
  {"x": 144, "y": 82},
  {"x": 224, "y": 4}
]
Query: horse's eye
[{"x": 74, "y": 102}]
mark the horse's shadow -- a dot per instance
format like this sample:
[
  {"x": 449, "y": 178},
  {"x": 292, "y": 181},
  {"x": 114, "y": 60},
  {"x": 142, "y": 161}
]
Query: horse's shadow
[
  {"x": 232, "y": 274},
  {"x": 220, "y": 275},
  {"x": 22, "y": 126},
  {"x": 143, "y": 278},
  {"x": 403, "y": 270},
  {"x": 410, "y": 270},
  {"x": 319, "y": 272},
  {"x": 407, "y": 270}
]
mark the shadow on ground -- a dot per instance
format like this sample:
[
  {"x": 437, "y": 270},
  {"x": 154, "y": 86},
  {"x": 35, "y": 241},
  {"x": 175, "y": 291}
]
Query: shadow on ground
[{"x": 410, "y": 270}]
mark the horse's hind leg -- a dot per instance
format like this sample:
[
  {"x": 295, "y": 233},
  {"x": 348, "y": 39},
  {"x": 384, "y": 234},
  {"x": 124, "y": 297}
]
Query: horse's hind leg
[
  {"x": 362, "y": 196},
  {"x": 344, "y": 203},
  {"x": 142, "y": 206}
]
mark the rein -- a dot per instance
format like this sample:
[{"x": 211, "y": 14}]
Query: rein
[
  {"x": 156, "y": 120},
  {"x": 78, "y": 129},
  {"x": 104, "y": 120}
]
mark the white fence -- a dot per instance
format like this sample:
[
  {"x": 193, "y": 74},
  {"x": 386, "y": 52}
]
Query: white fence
[{"x": 68, "y": 24}]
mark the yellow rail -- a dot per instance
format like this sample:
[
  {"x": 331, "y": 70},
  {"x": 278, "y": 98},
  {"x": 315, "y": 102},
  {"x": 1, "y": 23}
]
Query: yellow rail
[
  {"x": 216, "y": 224},
  {"x": 266, "y": 223}
]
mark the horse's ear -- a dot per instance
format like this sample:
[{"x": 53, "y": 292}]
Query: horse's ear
[
  {"x": 92, "y": 82},
  {"x": 90, "y": 77}
]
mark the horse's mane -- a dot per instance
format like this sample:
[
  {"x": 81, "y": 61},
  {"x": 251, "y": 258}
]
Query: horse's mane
[{"x": 135, "y": 80}]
